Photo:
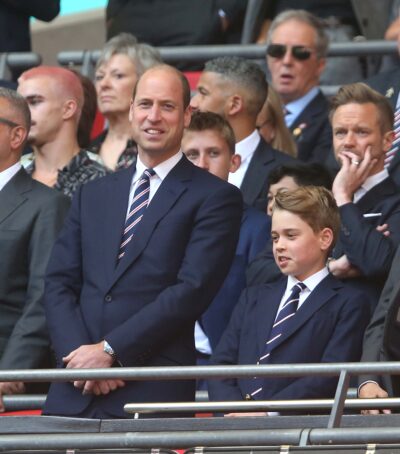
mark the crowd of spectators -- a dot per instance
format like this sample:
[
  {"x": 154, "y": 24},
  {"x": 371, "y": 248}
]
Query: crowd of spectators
[{"x": 288, "y": 234}]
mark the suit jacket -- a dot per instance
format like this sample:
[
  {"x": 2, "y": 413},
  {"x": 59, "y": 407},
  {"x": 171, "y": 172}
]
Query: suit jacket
[
  {"x": 145, "y": 306},
  {"x": 388, "y": 84},
  {"x": 333, "y": 313},
  {"x": 14, "y": 21},
  {"x": 366, "y": 248},
  {"x": 255, "y": 182},
  {"x": 255, "y": 230},
  {"x": 31, "y": 216},
  {"x": 312, "y": 132},
  {"x": 381, "y": 340}
]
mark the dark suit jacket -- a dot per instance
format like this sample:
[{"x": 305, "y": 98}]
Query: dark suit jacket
[
  {"x": 14, "y": 21},
  {"x": 366, "y": 248},
  {"x": 381, "y": 340},
  {"x": 146, "y": 306},
  {"x": 312, "y": 132},
  {"x": 254, "y": 186},
  {"x": 31, "y": 216},
  {"x": 255, "y": 230},
  {"x": 388, "y": 84},
  {"x": 333, "y": 314}
]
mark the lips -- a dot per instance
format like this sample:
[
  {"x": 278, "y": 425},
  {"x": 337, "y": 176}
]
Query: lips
[
  {"x": 283, "y": 261},
  {"x": 153, "y": 132}
]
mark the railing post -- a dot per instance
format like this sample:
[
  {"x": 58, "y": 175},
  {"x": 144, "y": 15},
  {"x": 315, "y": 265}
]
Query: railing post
[{"x": 340, "y": 397}]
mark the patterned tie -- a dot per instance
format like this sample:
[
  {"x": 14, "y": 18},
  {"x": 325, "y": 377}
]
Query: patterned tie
[
  {"x": 286, "y": 312},
  {"x": 396, "y": 142},
  {"x": 136, "y": 211}
]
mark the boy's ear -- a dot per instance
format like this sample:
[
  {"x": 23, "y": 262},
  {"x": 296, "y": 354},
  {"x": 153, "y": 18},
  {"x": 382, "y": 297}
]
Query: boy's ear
[{"x": 326, "y": 238}]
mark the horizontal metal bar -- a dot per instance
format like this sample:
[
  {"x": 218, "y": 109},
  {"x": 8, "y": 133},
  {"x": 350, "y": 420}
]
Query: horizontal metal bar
[
  {"x": 24, "y": 402},
  {"x": 258, "y": 405},
  {"x": 253, "y": 51},
  {"x": 194, "y": 372}
]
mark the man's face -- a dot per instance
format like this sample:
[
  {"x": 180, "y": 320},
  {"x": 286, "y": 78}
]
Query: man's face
[
  {"x": 298, "y": 250},
  {"x": 293, "y": 78},
  {"x": 211, "y": 95},
  {"x": 208, "y": 150},
  {"x": 46, "y": 108},
  {"x": 157, "y": 114},
  {"x": 286, "y": 183},
  {"x": 356, "y": 128},
  {"x": 114, "y": 82},
  {"x": 11, "y": 137}
]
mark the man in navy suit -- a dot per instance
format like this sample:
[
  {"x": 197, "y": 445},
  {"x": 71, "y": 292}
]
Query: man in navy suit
[
  {"x": 296, "y": 58},
  {"x": 307, "y": 317},
  {"x": 116, "y": 299},
  {"x": 209, "y": 143},
  {"x": 236, "y": 89}
]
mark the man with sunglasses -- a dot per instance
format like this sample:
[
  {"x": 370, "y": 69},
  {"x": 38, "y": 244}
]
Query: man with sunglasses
[
  {"x": 31, "y": 215},
  {"x": 296, "y": 57}
]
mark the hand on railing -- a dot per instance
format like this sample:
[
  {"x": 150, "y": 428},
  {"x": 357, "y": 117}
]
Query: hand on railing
[
  {"x": 6, "y": 388},
  {"x": 372, "y": 390}
]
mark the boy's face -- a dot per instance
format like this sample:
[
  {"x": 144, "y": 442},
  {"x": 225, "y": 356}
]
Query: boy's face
[
  {"x": 298, "y": 250},
  {"x": 208, "y": 150}
]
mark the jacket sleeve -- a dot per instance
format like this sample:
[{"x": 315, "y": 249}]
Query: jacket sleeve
[{"x": 45, "y": 10}]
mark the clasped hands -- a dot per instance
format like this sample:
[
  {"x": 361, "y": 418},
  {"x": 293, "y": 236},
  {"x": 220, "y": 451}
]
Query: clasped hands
[{"x": 90, "y": 357}]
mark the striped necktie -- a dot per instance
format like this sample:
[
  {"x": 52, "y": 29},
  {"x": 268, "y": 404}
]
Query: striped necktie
[
  {"x": 286, "y": 312},
  {"x": 396, "y": 142},
  {"x": 136, "y": 210}
]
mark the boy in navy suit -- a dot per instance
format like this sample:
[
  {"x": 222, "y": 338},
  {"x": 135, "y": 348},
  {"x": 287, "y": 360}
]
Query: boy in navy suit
[{"x": 307, "y": 317}]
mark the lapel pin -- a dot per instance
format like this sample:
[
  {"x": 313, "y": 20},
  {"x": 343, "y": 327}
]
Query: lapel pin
[{"x": 389, "y": 92}]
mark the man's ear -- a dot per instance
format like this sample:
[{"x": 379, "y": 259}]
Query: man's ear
[
  {"x": 236, "y": 160},
  {"x": 17, "y": 137},
  {"x": 235, "y": 104},
  {"x": 388, "y": 138},
  {"x": 70, "y": 108}
]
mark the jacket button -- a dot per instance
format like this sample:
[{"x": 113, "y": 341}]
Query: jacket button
[{"x": 108, "y": 298}]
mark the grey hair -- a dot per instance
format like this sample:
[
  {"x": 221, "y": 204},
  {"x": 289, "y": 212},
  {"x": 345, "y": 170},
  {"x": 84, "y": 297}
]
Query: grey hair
[
  {"x": 18, "y": 104},
  {"x": 300, "y": 15},
  {"x": 245, "y": 74},
  {"x": 143, "y": 56}
]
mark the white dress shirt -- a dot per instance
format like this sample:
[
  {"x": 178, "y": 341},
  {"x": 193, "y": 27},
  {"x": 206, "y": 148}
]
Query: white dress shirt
[
  {"x": 245, "y": 148},
  {"x": 370, "y": 183},
  {"x": 6, "y": 175}
]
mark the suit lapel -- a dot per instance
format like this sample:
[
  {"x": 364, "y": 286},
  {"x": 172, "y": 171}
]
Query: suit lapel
[
  {"x": 267, "y": 307},
  {"x": 318, "y": 298},
  {"x": 254, "y": 178},
  {"x": 172, "y": 187},
  {"x": 315, "y": 108},
  {"x": 378, "y": 193},
  {"x": 12, "y": 195}
]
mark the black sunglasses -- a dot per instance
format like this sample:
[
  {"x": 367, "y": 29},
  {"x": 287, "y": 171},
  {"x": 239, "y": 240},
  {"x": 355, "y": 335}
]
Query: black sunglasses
[
  {"x": 8, "y": 122},
  {"x": 298, "y": 52}
]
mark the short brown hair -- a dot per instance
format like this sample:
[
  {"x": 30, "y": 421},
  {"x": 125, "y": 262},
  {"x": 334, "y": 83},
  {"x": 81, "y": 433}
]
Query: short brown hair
[
  {"x": 203, "y": 121},
  {"x": 315, "y": 205},
  {"x": 360, "y": 93}
]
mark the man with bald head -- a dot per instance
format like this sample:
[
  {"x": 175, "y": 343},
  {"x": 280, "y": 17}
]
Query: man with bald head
[
  {"x": 55, "y": 98},
  {"x": 31, "y": 215},
  {"x": 143, "y": 253},
  {"x": 235, "y": 88}
]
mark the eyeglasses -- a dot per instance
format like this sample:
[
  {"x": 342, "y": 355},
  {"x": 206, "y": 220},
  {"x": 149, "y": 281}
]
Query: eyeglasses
[
  {"x": 300, "y": 53},
  {"x": 8, "y": 122}
]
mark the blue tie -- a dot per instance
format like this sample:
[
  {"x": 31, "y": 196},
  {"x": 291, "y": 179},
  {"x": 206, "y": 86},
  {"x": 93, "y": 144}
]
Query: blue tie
[
  {"x": 287, "y": 311},
  {"x": 136, "y": 210}
]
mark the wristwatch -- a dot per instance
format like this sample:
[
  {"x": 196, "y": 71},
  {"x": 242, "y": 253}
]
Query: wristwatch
[{"x": 108, "y": 349}]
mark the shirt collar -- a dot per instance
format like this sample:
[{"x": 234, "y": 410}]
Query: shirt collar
[
  {"x": 311, "y": 282},
  {"x": 245, "y": 148},
  {"x": 162, "y": 169},
  {"x": 370, "y": 183},
  {"x": 6, "y": 175},
  {"x": 298, "y": 105}
]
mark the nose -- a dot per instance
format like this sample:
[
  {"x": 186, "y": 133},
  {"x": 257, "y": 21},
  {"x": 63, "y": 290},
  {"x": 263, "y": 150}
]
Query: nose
[
  {"x": 349, "y": 140},
  {"x": 154, "y": 113},
  {"x": 103, "y": 82},
  {"x": 287, "y": 59},
  {"x": 279, "y": 244},
  {"x": 203, "y": 162},
  {"x": 194, "y": 102}
]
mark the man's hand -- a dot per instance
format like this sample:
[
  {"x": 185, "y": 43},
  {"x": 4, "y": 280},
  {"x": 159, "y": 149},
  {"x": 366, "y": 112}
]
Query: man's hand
[
  {"x": 372, "y": 390},
  {"x": 342, "y": 268},
  {"x": 384, "y": 229},
  {"x": 351, "y": 175},
  {"x": 89, "y": 357},
  {"x": 7, "y": 388}
]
